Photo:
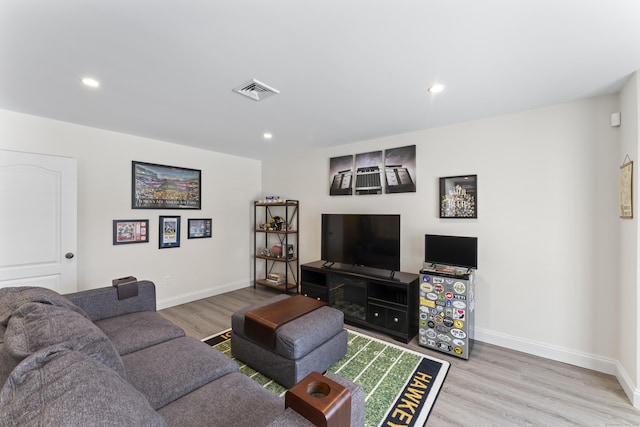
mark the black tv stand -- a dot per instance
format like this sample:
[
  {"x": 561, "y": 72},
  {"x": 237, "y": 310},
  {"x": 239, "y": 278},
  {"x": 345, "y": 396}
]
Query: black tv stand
[{"x": 382, "y": 300}]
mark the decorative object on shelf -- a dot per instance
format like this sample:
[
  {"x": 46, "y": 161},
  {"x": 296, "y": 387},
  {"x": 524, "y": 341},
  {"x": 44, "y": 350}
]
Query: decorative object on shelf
[
  {"x": 459, "y": 196},
  {"x": 164, "y": 187},
  {"x": 276, "y": 223},
  {"x": 626, "y": 187},
  {"x": 130, "y": 231},
  {"x": 199, "y": 228},
  {"x": 272, "y": 199},
  {"x": 169, "y": 232},
  {"x": 276, "y": 251}
]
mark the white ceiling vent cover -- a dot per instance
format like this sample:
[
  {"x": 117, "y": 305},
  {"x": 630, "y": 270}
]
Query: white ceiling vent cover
[{"x": 256, "y": 90}]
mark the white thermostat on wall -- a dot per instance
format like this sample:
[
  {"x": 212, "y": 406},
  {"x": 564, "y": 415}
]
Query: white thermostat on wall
[{"x": 615, "y": 119}]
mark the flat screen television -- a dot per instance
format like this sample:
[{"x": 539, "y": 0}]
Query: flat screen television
[
  {"x": 368, "y": 240},
  {"x": 456, "y": 251}
]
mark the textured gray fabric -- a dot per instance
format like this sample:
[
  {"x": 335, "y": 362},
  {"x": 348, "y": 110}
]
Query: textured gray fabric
[
  {"x": 7, "y": 362},
  {"x": 288, "y": 372},
  {"x": 35, "y": 326},
  {"x": 357, "y": 399},
  {"x": 168, "y": 371},
  {"x": 60, "y": 387},
  {"x": 12, "y": 298},
  {"x": 290, "y": 418},
  {"x": 135, "y": 331},
  {"x": 297, "y": 338},
  {"x": 232, "y": 400},
  {"x": 103, "y": 303}
]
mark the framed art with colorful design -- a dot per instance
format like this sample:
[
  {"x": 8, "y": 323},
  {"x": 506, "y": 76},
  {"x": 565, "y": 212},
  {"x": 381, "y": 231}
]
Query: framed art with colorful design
[
  {"x": 169, "y": 232},
  {"x": 199, "y": 228},
  {"x": 459, "y": 196},
  {"x": 130, "y": 231}
]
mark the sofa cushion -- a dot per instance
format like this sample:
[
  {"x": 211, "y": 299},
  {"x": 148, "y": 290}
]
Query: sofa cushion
[
  {"x": 35, "y": 326},
  {"x": 231, "y": 400},
  {"x": 7, "y": 362},
  {"x": 59, "y": 386},
  {"x": 169, "y": 370},
  {"x": 12, "y": 298},
  {"x": 135, "y": 331}
]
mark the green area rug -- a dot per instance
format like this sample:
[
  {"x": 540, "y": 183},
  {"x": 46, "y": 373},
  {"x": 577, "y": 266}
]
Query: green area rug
[{"x": 400, "y": 385}]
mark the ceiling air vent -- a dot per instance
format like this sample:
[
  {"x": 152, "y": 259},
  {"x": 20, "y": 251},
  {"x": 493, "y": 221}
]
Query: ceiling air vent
[{"x": 256, "y": 90}]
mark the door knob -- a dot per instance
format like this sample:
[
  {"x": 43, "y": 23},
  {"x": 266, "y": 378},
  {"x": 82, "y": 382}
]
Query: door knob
[{"x": 69, "y": 255}]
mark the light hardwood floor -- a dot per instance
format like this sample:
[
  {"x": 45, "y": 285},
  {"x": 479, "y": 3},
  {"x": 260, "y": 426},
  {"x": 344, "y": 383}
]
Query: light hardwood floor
[{"x": 495, "y": 387}]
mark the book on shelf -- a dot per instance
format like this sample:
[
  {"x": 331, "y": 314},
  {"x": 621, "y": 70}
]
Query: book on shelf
[{"x": 275, "y": 278}]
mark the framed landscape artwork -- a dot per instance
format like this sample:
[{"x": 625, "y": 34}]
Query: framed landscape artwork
[{"x": 164, "y": 187}]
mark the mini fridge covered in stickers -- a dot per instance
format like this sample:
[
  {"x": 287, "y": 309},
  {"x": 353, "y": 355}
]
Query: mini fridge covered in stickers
[{"x": 446, "y": 311}]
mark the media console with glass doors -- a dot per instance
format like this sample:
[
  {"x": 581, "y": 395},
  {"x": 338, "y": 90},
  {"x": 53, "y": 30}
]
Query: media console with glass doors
[{"x": 379, "y": 302}]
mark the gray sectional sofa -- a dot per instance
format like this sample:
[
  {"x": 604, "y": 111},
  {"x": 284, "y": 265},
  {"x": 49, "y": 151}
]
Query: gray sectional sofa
[{"x": 90, "y": 358}]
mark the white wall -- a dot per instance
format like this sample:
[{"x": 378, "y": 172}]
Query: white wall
[
  {"x": 200, "y": 267},
  {"x": 629, "y": 297},
  {"x": 547, "y": 220}
]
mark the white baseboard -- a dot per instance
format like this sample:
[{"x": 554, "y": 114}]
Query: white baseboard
[
  {"x": 557, "y": 353},
  {"x": 565, "y": 355},
  {"x": 204, "y": 293},
  {"x": 628, "y": 386}
]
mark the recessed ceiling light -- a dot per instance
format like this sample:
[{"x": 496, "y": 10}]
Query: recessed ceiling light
[
  {"x": 267, "y": 135},
  {"x": 436, "y": 88},
  {"x": 88, "y": 81}
]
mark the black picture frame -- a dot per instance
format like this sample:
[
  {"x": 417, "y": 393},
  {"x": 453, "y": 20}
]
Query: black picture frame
[
  {"x": 459, "y": 196},
  {"x": 199, "y": 228},
  {"x": 169, "y": 232},
  {"x": 127, "y": 231},
  {"x": 155, "y": 186}
]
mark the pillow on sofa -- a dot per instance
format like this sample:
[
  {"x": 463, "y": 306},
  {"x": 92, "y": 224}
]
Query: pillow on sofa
[
  {"x": 78, "y": 391},
  {"x": 12, "y": 298},
  {"x": 35, "y": 326}
]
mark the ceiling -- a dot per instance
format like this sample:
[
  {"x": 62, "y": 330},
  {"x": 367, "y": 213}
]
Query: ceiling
[{"x": 346, "y": 70}]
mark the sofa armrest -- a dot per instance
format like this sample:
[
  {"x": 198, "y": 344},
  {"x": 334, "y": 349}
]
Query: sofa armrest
[
  {"x": 103, "y": 303},
  {"x": 290, "y": 418}
]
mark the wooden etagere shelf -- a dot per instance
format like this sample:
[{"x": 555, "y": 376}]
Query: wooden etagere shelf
[{"x": 276, "y": 244}]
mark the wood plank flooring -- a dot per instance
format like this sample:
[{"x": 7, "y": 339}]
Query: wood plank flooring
[{"x": 495, "y": 387}]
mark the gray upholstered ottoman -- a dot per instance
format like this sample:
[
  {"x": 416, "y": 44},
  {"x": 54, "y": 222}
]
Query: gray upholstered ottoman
[{"x": 311, "y": 342}]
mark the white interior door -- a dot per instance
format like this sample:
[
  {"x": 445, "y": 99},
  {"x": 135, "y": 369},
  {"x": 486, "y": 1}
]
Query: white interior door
[{"x": 38, "y": 215}]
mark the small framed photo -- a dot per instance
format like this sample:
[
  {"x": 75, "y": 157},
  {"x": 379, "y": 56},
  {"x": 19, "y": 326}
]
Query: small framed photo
[
  {"x": 130, "y": 231},
  {"x": 459, "y": 196},
  {"x": 199, "y": 228},
  {"x": 169, "y": 232}
]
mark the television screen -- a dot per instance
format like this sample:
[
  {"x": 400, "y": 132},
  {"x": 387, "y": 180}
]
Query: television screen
[
  {"x": 363, "y": 240},
  {"x": 451, "y": 250}
]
